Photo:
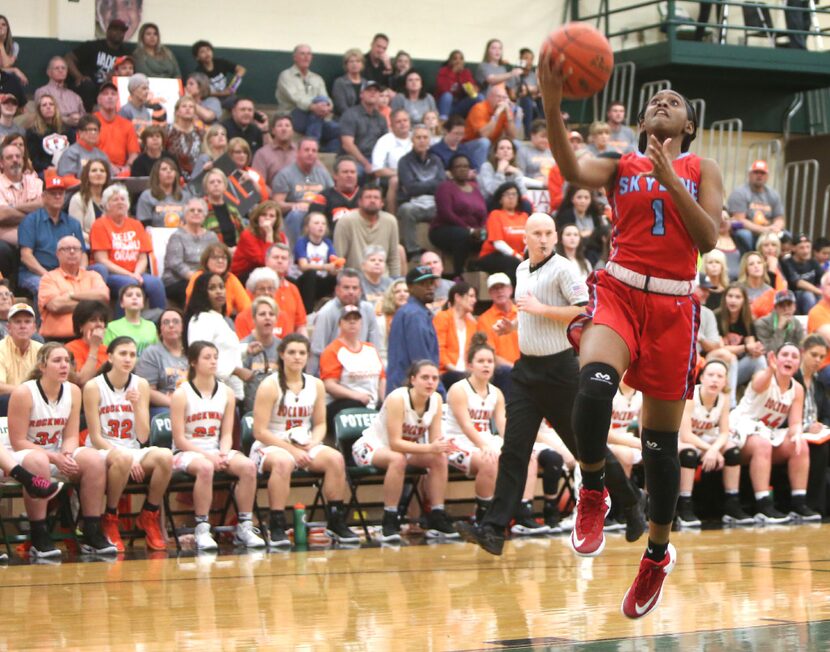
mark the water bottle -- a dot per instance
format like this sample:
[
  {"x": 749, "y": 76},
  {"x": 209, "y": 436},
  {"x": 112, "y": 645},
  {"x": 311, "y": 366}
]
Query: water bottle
[{"x": 300, "y": 530}]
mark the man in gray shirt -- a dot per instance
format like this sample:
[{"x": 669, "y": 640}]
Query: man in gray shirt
[
  {"x": 346, "y": 293},
  {"x": 8, "y": 111},
  {"x": 623, "y": 139},
  {"x": 362, "y": 125},
  {"x": 756, "y": 207},
  {"x": 135, "y": 109},
  {"x": 296, "y": 186}
]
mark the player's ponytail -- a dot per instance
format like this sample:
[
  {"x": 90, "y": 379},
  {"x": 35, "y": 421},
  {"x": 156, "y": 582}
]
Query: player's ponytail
[
  {"x": 43, "y": 357},
  {"x": 118, "y": 341},
  {"x": 478, "y": 342}
]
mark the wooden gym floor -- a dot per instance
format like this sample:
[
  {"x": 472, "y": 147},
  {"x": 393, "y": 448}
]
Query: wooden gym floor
[{"x": 733, "y": 589}]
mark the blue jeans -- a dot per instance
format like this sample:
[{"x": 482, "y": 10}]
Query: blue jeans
[
  {"x": 325, "y": 132},
  {"x": 476, "y": 150},
  {"x": 153, "y": 288},
  {"x": 804, "y": 300},
  {"x": 448, "y": 105},
  {"x": 28, "y": 281}
]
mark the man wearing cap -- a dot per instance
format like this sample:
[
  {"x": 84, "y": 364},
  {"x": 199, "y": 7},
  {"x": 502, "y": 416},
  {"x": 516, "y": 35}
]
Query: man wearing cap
[
  {"x": 412, "y": 336},
  {"x": 69, "y": 102},
  {"x": 368, "y": 225},
  {"x": 755, "y": 208},
  {"x": 91, "y": 63},
  {"x": 8, "y": 112},
  {"x": 10, "y": 85},
  {"x": 302, "y": 94},
  {"x": 39, "y": 234},
  {"x": 18, "y": 352},
  {"x": 20, "y": 194},
  {"x": 361, "y": 126},
  {"x": 803, "y": 274},
  {"x": 347, "y": 292},
  {"x": 124, "y": 67},
  {"x": 780, "y": 325},
  {"x": 135, "y": 109},
  {"x": 442, "y": 285},
  {"x": 118, "y": 139},
  {"x": 506, "y": 345},
  {"x": 296, "y": 186}
]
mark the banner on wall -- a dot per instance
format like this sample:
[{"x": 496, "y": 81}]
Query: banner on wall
[
  {"x": 127, "y": 10},
  {"x": 163, "y": 91}
]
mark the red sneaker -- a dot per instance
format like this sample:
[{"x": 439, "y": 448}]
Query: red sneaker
[
  {"x": 587, "y": 538},
  {"x": 109, "y": 524},
  {"x": 149, "y": 522},
  {"x": 645, "y": 593}
]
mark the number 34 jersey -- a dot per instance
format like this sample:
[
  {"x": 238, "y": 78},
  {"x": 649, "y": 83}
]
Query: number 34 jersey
[
  {"x": 115, "y": 413},
  {"x": 648, "y": 234}
]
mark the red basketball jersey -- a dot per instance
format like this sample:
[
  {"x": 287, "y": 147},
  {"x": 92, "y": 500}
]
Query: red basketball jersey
[{"x": 648, "y": 234}]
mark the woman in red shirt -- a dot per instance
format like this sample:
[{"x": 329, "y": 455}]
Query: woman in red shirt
[
  {"x": 455, "y": 88},
  {"x": 505, "y": 245},
  {"x": 121, "y": 249},
  {"x": 264, "y": 229}
]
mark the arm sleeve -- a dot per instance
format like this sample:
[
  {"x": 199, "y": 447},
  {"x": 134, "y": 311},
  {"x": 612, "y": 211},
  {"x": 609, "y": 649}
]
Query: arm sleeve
[
  {"x": 373, "y": 332},
  {"x": 174, "y": 257},
  {"x": 489, "y": 180},
  {"x": 340, "y": 95},
  {"x": 280, "y": 184},
  {"x": 736, "y": 202},
  {"x": 144, "y": 208},
  {"x": 26, "y": 232},
  {"x": 47, "y": 290},
  {"x": 379, "y": 153},
  {"x": 571, "y": 286},
  {"x": 330, "y": 366},
  {"x": 348, "y": 124},
  {"x": 149, "y": 367},
  {"x": 393, "y": 260}
]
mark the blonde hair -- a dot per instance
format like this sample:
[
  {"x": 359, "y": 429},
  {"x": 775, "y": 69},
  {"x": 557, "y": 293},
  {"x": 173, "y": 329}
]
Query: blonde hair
[
  {"x": 718, "y": 256},
  {"x": 352, "y": 53},
  {"x": 210, "y": 133},
  {"x": 742, "y": 276},
  {"x": 599, "y": 127},
  {"x": 240, "y": 143},
  {"x": 43, "y": 357},
  {"x": 769, "y": 238},
  {"x": 387, "y": 305},
  {"x": 258, "y": 301}
]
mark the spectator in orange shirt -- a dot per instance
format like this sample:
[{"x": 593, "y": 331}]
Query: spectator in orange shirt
[
  {"x": 455, "y": 326},
  {"x": 118, "y": 139},
  {"x": 506, "y": 345},
  {"x": 504, "y": 248},
  {"x": 818, "y": 321},
  {"x": 64, "y": 287},
  {"x": 288, "y": 298},
  {"x": 556, "y": 181},
  {"x": 262, "y": 282},
  {"x": 121, "y": 248},
  {"x": 489, "y": 120},
  {"x": 216, "y": 258},
  {"x": 89, "y": 323}
]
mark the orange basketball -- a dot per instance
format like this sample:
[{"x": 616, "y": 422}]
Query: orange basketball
[{"x": 589, "y": 59}]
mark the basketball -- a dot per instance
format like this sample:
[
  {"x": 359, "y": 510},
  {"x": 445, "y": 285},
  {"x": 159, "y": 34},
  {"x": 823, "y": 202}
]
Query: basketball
[{"x": 588, "y": 58}]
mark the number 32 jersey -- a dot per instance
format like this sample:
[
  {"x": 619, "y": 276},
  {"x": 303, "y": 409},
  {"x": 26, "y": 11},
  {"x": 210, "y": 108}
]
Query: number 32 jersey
[
  {"x": 115, "y": 413},
  {"x": 648, "y": 234}
]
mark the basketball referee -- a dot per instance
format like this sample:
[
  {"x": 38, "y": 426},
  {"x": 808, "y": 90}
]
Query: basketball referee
[{"x": 549, "y": 294}]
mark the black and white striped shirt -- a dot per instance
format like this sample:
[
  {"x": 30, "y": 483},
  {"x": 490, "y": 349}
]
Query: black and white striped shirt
[{"x": 555, "y": 282}]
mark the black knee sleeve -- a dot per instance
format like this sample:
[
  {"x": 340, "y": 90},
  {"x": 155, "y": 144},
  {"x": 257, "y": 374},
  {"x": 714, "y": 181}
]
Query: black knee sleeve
[
  {"x": 732, "y": 457},
  {"x": 592, "y": 410},
  {"x": 689, "y": 459},
  {"x": 662, "y": 467},
  {"x": 551, "y": 463}
]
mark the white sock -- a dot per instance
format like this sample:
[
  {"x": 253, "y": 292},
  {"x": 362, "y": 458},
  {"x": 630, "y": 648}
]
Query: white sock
[
  {"x": 685, "y": 494},
  {"x": 760, "y": 495},
  {"x": 244, "y": 516},
  {"x": 393, "y": 509},
  {"x": 799, "y": 492},
  {"x": 438, "y": 507}
]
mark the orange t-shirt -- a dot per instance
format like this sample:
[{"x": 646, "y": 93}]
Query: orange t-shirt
[
  {"x": 448, "y": 347},
  {"x": 123, "y": 244},
  {"x": 237, "y": 299},
  {"x": 506, "y": 346},
  {"x": 555, "y": 184},
  {"x": 291, "y": 303},
  {"x": 80, "y": 351},
  {"x": 509, "y": 227},
  {"x": 477, "y": 119},
  {"x": 118, "y": 140},
  {"x": 819, "y": 316}
]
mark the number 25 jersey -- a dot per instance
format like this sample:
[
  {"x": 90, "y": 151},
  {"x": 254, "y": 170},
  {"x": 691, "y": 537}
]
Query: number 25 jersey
[{"x": 648, "y": 234}]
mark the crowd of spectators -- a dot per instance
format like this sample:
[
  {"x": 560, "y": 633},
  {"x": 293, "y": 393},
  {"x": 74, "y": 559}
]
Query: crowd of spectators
[{"x": 117, "y": 219}]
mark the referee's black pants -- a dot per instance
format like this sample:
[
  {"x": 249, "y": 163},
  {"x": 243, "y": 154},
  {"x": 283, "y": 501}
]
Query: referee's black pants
[{"x": 543, "y": 387}]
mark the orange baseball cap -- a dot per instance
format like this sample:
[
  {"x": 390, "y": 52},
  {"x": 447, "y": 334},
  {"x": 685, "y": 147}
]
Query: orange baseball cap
[{"x": 759, "y": 166}]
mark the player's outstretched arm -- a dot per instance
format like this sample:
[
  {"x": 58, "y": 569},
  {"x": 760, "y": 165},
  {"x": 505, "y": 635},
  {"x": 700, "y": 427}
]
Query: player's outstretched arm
[{"x": 590, "y": 172}]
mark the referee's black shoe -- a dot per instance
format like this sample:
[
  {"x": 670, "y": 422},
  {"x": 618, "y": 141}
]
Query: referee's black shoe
[
  {"x": 635, "y": 518},
  {"x": 485, "y": 536}
]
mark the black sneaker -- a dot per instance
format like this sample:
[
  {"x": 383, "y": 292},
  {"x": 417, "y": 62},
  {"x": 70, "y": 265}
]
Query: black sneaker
[
  {"x": 686, "y": 514},
  {"x": 799, "y": 511},
  {"x": 439, "y": 525},
  {"x": 41, "y": 488},
  {"x": 766, "y": 512},
  {"x": 635, "y": 518},
  {"x": 277, "y": 538},
  {"x": 485, "y": 536},
  {"x": 42, "y": 545},
  {"x": 552, "y": 517},
  {"x": 93, "y": 542},
  {"x": 612, "y": 524},
  {"x": 337, "y": 529},
  {"x": 734, "y": 514},
  {"x": 390, "y": 527},
  {"x": 525, "y": 524}
]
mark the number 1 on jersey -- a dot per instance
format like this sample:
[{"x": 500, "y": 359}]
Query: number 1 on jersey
[{"x": 659, "y": 227}]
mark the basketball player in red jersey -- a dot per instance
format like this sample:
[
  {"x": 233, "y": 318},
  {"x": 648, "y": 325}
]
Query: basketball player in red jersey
[{"x": 642, "y": 317}]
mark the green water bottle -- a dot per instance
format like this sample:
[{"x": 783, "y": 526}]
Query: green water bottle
[{"x": 300, "y": 529}]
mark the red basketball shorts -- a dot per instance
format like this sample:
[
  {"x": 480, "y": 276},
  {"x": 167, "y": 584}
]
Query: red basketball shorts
[{"x": 660, "y": 331}]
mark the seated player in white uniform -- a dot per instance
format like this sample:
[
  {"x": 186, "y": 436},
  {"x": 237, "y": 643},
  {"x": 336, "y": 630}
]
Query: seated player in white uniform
[
  {"x": 201, "y": 416},
  {"x": 408, "y": 431},
  {"x": 774, "y": 398},
  {"x": 289, "y": 426},
  {"x": 44, "y": 413},
  {"x": 625, "y": 410},
  {"x": 117, "y": 405},
  {"x": 705, "y": 440},
  {"x": 472, "y": 404},
  {"x": 554, "y": 458}
]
